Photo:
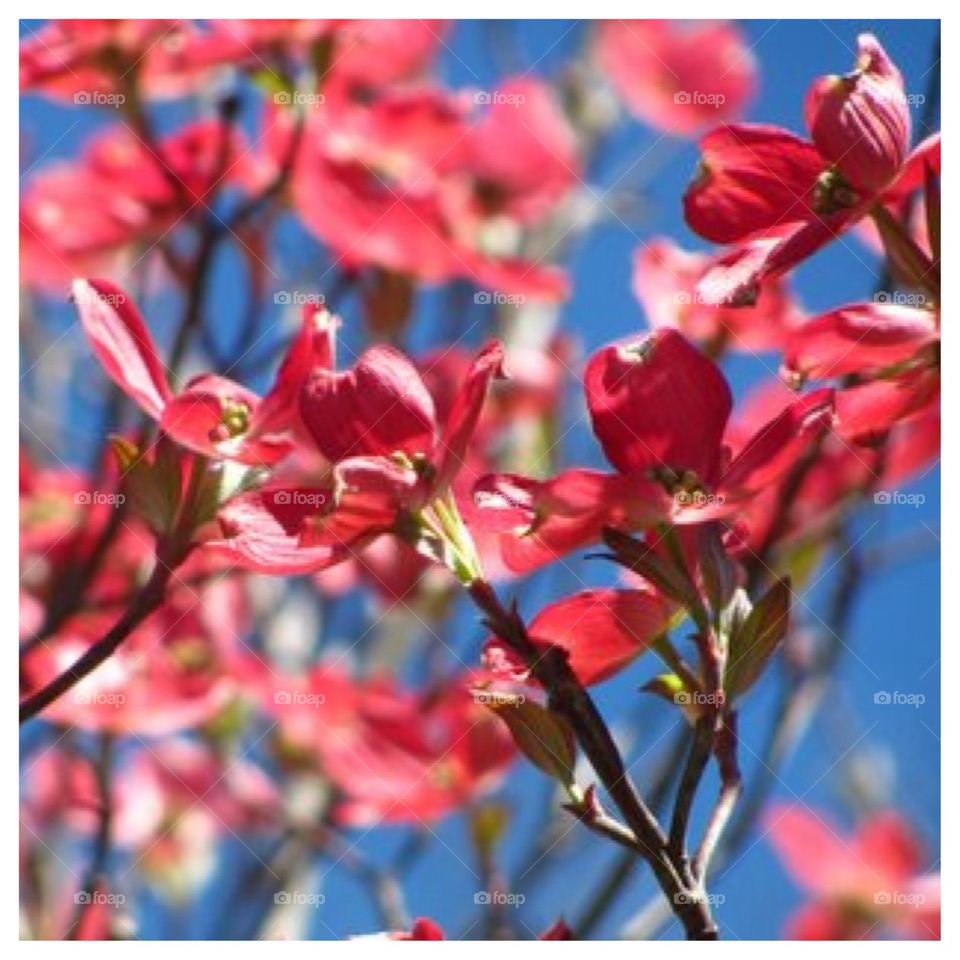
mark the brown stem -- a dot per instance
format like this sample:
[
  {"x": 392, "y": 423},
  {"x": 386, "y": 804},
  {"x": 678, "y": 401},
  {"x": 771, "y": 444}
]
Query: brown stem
[
  {"x": 697, "y": 759},
  {"x": 725, "y": 748}
]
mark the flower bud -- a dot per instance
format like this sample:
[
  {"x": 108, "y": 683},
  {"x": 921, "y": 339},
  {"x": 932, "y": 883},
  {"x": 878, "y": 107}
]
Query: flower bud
[{"x": 860, "y": 122}]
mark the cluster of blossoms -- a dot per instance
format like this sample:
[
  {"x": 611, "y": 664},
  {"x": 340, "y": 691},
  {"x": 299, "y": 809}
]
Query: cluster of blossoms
[{"x": 403, "y": 473}]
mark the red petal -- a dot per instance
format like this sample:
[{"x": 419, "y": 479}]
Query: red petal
[
  {"x": 925, "y": 154},
  {"x": 856, "y": 338},
  {"x": 736, "y": 275},
  {"x": 122, "y": 343},
  {"x": 776, "y": 447},
  {"x": 601, "y": 630},
  {"x": 542, "y": 521},
  {"x": 369, "y": 492},
  {"x": 314, "y": 346},
  {"x": 887, "y": 845},
  {"x": 262, "y": 531},
  {"x": 814, "y": 855},
  {"x": 866, "y": 413},
  {"x": 657, "y": 403},
  {"x": 194, "y": 418},
  {"x": 752, "y": 178},
  {"x": 465, "y": 412},
  {"x": 816, "y": 921},
  {"x": 379, "y": 407},
  {"x": 678, "y": 76}
]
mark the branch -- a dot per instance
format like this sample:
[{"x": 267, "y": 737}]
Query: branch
[
  {"x": 568, "y": 698},
  {"x": 95, "y": 876},
  {"x": 145, "y": 603},
  {"x": 697, "y": 759}
]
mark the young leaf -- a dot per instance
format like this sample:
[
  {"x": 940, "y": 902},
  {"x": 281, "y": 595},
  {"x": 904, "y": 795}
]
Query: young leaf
[
  {"x": 755, "y": 641},
  {"x": 542, "y": 736},
  {"x": 637, "y": 556}
]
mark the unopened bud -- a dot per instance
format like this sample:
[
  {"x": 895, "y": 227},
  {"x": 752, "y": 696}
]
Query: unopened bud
[{"x": 860, "y": 122}]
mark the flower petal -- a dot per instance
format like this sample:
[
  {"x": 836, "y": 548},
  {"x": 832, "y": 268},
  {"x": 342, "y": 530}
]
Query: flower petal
[
  {"x": 122, "y": 343},
  {"x": 601, "y": 631},
  {"x": 379, "y": 407},
  {"x": 856, "y": 338},
  {"x": 778, "y": 445},
  {"x": 753, "y": 177},
  {"x": 658, "y": 403}
]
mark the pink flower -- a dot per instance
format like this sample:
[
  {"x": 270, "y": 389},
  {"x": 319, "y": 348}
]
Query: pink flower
[
  {"x": 858, "y": 338},
  {"x": 860, "y": 122},
  {"x": 81, "y": 217},
  {"x": 171, "y": 674},
  {"x": 781, "y": 198},
  {"x": 660, "y": 411},
  {"x": 377, "y": 425},
  {"x": 80, "y": 58},
  {"x": 212, "y": 416},
  {"x": 666, "y": 281},
  {"x": 364, "y": 53},
  {"x": 859, "y": 886},
  {"x": 411, "y": 183},
  {"x": 677, "y": 76},
  {"x": 397, "y": 756}
]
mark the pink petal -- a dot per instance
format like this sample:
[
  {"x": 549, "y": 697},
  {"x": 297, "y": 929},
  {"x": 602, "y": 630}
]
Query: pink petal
[
  {"x": 122, "y": 343},
  {"x": 778, "y": 445},
  {"x": 377, "y": 408},
  {"x": 601, "y": 631},
  {"x": 858, "y": 338},
  {"x": 658, "y": 403},
  {"x": 752, "y": 178},
  {"x": 464, "y": 413}
]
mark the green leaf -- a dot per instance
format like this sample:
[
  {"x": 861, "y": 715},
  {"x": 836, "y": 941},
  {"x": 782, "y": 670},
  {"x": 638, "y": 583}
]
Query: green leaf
[
  {"x": 637, "y": 556},
  {"x": 675, "y": 690},
  {"x": 755, "y": 641},
  {"x": 541, "y": 735}
]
